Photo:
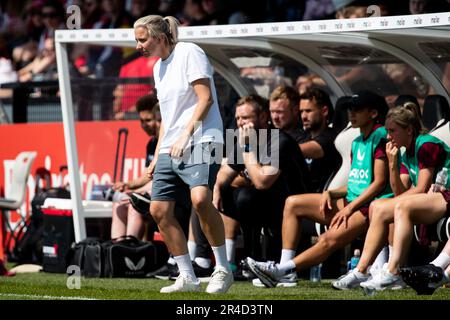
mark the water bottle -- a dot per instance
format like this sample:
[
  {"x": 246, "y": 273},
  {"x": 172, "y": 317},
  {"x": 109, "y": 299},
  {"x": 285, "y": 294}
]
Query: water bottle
[
  {"x": 353, "y": 262},
  {"x": 441, "y": 179},
  {"x": 315, "y": 273}
]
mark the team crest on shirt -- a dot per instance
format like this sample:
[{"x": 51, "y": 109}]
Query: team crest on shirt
[{"x": 360, "y": 156}]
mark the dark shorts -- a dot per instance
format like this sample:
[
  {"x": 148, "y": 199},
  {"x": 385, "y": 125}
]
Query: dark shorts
[
  {"x": 173, "y": 177},
  {"x": 364, "y": 209}
]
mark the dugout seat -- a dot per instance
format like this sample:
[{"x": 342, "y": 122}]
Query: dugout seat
[{"x": 16, "y": 196}]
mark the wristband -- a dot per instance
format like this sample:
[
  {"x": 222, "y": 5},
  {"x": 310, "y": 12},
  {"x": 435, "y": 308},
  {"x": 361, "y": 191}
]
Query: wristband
[{"x": 247, "y": 147}]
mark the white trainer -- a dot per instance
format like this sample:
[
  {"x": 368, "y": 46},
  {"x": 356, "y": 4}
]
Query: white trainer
[
  {"x": 287, "y": 281},
  {"x": 221, "y": 280},
  {"x": 350, "y": 280},
  {"x": 184, "y": 283},
  {"x": 384, "y": 280}
]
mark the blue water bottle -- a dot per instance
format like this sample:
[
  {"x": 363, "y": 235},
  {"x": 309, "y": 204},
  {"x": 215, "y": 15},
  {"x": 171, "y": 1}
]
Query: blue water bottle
[{"x": 353, "y": 262}]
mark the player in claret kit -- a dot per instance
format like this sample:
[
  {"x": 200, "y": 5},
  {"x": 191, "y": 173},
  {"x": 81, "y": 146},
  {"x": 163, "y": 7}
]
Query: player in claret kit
[
  {"x": 411, "y": 175},
  {"x": 345, "y": 209}
]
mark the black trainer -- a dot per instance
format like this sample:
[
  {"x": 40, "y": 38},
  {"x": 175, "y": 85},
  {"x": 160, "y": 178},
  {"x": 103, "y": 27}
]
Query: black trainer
[
  {"x": 140, "y": 202},
  {"x": 242, "y": 273},
  {"x": 423, "y": 279},
  {"x": 203, "y": 274},
  {"x": 167, "y": 272}
]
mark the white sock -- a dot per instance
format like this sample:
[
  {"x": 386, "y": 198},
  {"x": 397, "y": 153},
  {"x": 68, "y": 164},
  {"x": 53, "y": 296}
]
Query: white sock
[
  {"x": 220, "y": 253},
  {"x": 381, "y": 259},
  {"x": 185, "y": 266},
  {"x": 391, "y": 248},
  {"x": 442, "y": 260},
  {"x": 285, "y": 268},
  {"x": 203, "y": 262},
  {"x": 192, "y": 249},
  {"x": 231, "y": 249},
  {"x": 286, "y": 255}
]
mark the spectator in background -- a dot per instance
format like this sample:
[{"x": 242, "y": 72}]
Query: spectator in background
[
  {"x": 92, "y": 13},
  {"x": 419, "y": 6},
  {"x": 309, "y": 81},
  {"x": 54, "y": 17},
  {"x": 105, "y": 62},
  {"x": 217, "y": 11},
  {"x": 43, "y": 67},
  {"x": 140, "y": 8},
  {"x": 24, "y": 53},
  {"x": 194, "y": 13},
  {"x": 7, "y": 74},
  {"x": 126, "y": 94},
  {"x": 34, "y": 21},
  {"x": 319, "y": 9},
  {"x": 171, "y": 8}
]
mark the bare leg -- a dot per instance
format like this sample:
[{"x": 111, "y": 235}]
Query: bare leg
[
  {"x": 119, "y": 220},
  {"x": 332, "y": 240},
  {"x": 171, "y": 231},
  {"x": 296, "y": 208},
  {"x": 381, "y": 214},
  {"x": 411, "y": 210},
  {"x": 210, "y": 219},
  {"x": 231, "y": 227},
  {"x": 136, "y": 223}
]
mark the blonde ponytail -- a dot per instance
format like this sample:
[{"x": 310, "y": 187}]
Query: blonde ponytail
[
  {"x": 158, "y": 26},
  {"x": 407, "y": 115}
]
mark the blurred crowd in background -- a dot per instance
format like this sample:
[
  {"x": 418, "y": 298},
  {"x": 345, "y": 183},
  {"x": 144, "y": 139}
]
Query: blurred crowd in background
[{"x": 27, "y": 30}]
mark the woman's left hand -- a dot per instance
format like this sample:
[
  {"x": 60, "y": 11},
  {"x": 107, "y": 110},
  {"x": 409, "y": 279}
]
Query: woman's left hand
[
  {"x": 341, "y": 217},
  {"x": 176, "y": 151}
]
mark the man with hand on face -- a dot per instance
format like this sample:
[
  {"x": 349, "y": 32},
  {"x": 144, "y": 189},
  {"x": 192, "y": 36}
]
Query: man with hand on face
[{"x": 251, "y": 193}]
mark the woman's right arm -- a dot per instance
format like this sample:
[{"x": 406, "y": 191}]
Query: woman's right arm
[{"x": 399, "y": 182}]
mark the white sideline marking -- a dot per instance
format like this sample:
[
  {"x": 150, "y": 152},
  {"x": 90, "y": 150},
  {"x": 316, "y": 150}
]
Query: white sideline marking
[{"x": 17, "y": 295}]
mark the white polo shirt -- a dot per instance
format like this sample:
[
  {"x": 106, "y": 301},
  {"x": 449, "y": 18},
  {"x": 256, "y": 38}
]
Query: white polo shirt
[{"x": 177, "y": 98}]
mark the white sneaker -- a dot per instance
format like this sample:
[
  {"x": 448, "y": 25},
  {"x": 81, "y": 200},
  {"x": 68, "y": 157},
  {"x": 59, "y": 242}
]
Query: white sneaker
[
  {"x": 287, "y": 281},
  {"x": 267, "y": 272},
  {"x": 384, "y": 280},
  {"x": 221, "y": 280},
  {"x": 184, "y": 283},
  {"x": 350, "y": 280}
]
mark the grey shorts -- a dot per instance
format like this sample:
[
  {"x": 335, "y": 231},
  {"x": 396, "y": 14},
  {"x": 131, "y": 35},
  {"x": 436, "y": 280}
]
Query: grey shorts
[{"x": 173, "y": 178}]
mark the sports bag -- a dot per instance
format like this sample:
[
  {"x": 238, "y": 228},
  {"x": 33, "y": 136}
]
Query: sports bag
[
  {"x": 125, "y": 257},
  {"x": 132, "y": 258}
]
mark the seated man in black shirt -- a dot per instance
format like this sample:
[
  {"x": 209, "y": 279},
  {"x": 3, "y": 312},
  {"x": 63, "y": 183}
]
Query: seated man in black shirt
[
  {"x": 317, "y": 145},
  {"x": 252, "y": 191}
]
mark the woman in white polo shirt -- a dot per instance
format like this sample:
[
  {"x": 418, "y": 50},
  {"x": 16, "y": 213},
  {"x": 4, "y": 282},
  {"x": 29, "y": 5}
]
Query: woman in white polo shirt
[{"x": 188, "y": 154}]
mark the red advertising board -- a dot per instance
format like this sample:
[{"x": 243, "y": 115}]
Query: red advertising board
[{"x": 96, "y": 145}]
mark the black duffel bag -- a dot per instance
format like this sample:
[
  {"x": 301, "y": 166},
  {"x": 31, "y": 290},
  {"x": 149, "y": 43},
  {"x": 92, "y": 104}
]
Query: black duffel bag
[
  {"x": 125, "y": 257},
  {"x": 132, "y": 258}
]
